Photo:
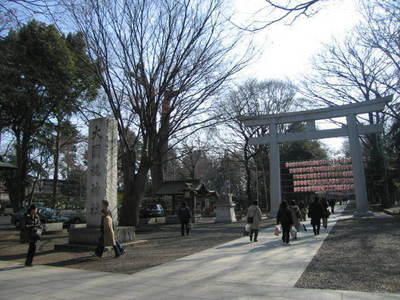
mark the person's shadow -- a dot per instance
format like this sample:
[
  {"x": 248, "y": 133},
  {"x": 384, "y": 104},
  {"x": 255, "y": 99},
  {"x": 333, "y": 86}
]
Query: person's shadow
[{"x": 11, "y": 268}]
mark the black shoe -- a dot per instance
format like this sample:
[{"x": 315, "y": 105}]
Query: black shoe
[
  {"x": 28, "y": 265},
  {"x": 255, "y": 240}
]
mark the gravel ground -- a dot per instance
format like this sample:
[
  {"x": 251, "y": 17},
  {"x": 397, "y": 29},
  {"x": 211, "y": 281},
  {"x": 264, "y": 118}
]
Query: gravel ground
[
  {"x": 358, "y": 255},
  {"x": 164, "y": 244}
]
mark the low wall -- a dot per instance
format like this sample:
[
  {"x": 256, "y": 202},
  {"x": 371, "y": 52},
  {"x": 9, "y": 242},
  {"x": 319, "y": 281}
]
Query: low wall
[
  {"x": 52, "y": 227},
  {"x": 74, "y": 226}
]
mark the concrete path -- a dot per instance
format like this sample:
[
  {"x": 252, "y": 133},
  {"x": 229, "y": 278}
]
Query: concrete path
[{"x": 236, "y": 270}]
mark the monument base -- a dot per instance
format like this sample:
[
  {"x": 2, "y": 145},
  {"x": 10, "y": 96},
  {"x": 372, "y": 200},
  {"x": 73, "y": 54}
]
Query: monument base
[
  {"x": 90, "y": 236},
  {"x": 225, "y": 214}
]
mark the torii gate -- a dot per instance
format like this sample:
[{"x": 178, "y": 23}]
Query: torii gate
[{"x": 352, "y": 130}]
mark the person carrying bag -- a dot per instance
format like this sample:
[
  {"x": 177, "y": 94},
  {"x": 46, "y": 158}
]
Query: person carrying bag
[
  {"x": 284, "y": 218},
  {"x": 254, "y": 220},
  {"x": 296, "y": 217},
  {"x": 107, "y": 237},
  {"x": 33, "y": 227},
  {"x": 325, "y": 213}
]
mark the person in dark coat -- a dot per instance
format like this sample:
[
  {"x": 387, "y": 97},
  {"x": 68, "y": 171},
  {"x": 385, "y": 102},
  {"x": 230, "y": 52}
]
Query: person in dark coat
[
  {"x": 315, "y": 213},
  {"x": 325, "y": 212},
  {"x": 285, "y": 218},
  {"x": 184, "y": 216},
  {"x": 107, "y": 237},
  {"x": 332, "y": 203},
  {"x": 33, "y": 229}
]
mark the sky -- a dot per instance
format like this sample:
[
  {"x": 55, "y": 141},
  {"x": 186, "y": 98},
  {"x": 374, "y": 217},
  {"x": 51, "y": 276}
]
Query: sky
[{"x": 288, "y": 49}]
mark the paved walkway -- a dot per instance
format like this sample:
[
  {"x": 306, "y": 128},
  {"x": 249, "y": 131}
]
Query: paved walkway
[{"x": 236, "y": 270}]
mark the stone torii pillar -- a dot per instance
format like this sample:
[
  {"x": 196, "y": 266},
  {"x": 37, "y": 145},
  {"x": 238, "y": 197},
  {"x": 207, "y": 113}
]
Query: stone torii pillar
[
  {"x": 357, "y": 164},
  {"x": 275, "y": 170}
]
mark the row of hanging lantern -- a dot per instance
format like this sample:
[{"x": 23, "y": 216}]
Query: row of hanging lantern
[
  {"x": 324, "y": 188},
  {"x": 323, "y": 175},
  {"x": 323, "y": 181},
  {"x": 320, "y": 169},
  {"x": 319, "y": 162}
]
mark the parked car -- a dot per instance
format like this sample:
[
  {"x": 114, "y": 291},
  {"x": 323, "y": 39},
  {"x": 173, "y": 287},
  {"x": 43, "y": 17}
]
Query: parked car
[
  {"x": 152, "y": 210},
  {"x": 47, "y": 215},
  {"x": 74, "y": 216}
]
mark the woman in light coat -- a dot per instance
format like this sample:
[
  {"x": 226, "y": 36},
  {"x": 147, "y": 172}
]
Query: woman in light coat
[
  {"x": 107, "y": 237},
  {"x": 254, "y": 219},
  {"x": 296, "y": 217}
]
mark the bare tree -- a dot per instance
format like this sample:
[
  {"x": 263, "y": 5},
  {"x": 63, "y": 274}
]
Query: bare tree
[
  {"x": 381, "y": 31},
  {"x": 288, "y": 11},
  {"x": 356, "y": 71},
  {"x": 193, "y": 157},
  {"x": 13, "y": 13},
  {"x": 364, "y": 66},
  {"x": 160, "y": 63},
  {"x": 253, "y": 98}
]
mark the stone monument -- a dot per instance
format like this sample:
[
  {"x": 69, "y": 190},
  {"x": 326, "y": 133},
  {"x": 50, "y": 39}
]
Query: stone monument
[
  {"x": 101, "y": 183},
  {"x": 225, "y": 208},
  {"x": 102, "y": 169}
]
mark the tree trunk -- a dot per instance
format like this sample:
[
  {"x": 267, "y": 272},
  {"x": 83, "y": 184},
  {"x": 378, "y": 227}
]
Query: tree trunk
[
  {"x": 157, "y": 174},
  {"x": 134, "y": 187},
  {"x": 56, "y": 164},
  {"x": 21, "y": 172},
  {"x": 160, "y": 153}
]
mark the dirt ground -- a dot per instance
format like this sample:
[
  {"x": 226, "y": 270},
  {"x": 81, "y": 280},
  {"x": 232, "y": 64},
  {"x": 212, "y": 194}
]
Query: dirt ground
[
  {"x": 358, "y": 255},
  {"x": 163, "y": 244}
]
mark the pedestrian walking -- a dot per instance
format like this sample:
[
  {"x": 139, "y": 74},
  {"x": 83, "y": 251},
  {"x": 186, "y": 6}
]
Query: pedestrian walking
[
  {"x": 325, "y": 212},
  {"x": 32, "y": 226},
  {"x": 184, "y": 216},
  {"x": 107, "y": 237},
  {"x": 296, "y": 217},
  {"x": 315, "y": 213},
  {"x": 254, "y": 219},
  {"x": 303, "y": 210},
  {"x": 332, "y": 203},
  {"x": 285, "y": 218}
]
